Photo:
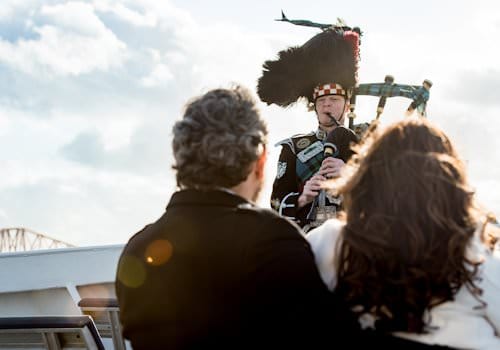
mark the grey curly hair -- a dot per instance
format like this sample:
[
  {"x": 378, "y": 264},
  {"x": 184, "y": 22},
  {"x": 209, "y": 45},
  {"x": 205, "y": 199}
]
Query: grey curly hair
[{"x": 217, "y": 139}]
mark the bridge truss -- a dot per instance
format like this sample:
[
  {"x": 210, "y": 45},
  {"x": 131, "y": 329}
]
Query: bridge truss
[{"x": 20, "y": 239}]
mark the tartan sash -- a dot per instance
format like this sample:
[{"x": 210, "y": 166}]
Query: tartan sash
[{"x": 306, "y": 170}]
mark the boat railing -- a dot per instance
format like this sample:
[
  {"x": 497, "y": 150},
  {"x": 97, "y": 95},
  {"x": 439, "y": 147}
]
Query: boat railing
[
  {"x": 49, "y": 332},
  {"x": 106, "y": 315}
]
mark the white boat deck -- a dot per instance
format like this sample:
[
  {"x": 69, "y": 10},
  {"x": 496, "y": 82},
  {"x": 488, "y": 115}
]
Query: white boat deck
[{"x": 52, "y": 282}]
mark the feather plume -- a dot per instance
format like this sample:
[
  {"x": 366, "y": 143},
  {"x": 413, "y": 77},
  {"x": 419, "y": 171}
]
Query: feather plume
[{"x": 326, "y": 58}]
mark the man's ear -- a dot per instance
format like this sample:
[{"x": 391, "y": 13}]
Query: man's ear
[{"x": 261, "y": 164}]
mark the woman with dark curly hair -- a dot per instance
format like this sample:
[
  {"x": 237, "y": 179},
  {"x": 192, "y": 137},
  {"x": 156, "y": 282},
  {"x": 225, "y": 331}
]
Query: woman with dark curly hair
[{"x": 410, "y": 256}]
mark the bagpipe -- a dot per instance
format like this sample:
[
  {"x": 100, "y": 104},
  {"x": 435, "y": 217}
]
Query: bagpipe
[
  {"x": 341, "y": 137},
  {"x": 338, "y": 145},
  {"x": 419, "y": 94}
]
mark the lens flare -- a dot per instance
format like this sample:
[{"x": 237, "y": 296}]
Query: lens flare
[
  {"x": 158, "y": 252},
  {"x": 131, "y": 272}
]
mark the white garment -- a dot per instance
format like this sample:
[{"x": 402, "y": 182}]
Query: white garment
[{"x": 461, "y": 323}]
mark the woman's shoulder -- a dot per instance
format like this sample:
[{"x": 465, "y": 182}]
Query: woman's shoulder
[
  {"x": 489, "y": 280},
  {"x": 491, "y": 266},
  {"x": 323, "y": 241},
  {"x": 325, "y": 234}
]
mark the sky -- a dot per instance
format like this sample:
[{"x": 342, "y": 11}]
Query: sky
[{"x": 90, "y": 91}]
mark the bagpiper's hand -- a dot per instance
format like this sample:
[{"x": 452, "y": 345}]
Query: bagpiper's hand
[
  {"x": 331, "y": 167},
  {"x": 311, "y": 190}
]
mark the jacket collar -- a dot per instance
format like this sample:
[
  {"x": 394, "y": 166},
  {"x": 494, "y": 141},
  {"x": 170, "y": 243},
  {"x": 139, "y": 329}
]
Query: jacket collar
[
  {"x": 207, "y": 198},
  {"x": 321, "y": 134}
]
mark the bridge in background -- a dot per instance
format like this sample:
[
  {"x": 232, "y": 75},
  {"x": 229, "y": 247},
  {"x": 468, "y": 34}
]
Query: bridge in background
[{"x": 20, "y": 239}]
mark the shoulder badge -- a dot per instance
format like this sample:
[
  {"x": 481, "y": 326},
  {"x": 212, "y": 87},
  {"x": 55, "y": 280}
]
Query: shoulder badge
[
  {"x": 310, "y": 152},
  {"x": 281, "y": 170},
  {"x": 275, "y": 203},
  {"x": 303, "y": 143}
]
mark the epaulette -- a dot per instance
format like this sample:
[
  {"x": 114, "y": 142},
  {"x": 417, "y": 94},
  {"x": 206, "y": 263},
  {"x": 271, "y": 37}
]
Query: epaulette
[
  {"x": 292, "y": 141},
  {"x": 288, "y": 142}
]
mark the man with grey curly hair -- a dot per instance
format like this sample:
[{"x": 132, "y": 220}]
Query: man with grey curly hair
[
  {"x": 215, "y": 270},
  {"x": 218, "y": 140}
]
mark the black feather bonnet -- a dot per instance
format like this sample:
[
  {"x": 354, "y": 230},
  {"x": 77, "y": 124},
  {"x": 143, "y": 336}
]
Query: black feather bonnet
[{"x": 330, "y": 57}]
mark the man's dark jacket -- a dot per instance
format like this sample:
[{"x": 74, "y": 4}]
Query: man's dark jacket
[{"x": 215, "y": 270}]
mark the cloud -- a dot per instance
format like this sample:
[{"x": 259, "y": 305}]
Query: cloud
[
  {"x": 10, "y": 8},
  {"x": 147, "y": 151},
  {"x": 476, "y": 88},
  {"x": 85, "y": 208},
  {"x": 124, "y": 13},
  {"x": 71, "y": 40},
  {"x": 80, "y": 58},
  {"x": 86, "y": 148},
  {"x": 160, "y": 74}
]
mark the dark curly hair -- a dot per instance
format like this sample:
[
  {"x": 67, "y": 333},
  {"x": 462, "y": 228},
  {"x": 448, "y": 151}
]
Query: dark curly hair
[
  {"x": 217, "y": 139},
  {"x": 409, "y": 218}
]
